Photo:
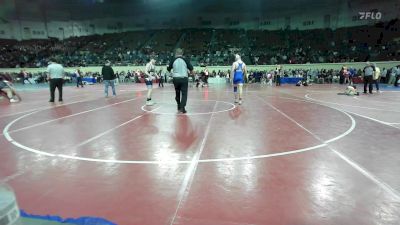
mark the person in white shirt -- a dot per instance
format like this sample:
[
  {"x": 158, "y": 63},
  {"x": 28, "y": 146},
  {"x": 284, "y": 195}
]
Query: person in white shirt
[
  {"x": 150, "y": 76},
  {"x": 270, "y": 78},
  {"x": 351, "y": 90},
  {"x": 180, "y": 68},
  {"x": 206, "y": 76},
  {"x": 56, "y": 79},
  {"x": 278, "y": 74},
  {"x": 377, "y": 77},
  {"x": 392, "y": 76}
]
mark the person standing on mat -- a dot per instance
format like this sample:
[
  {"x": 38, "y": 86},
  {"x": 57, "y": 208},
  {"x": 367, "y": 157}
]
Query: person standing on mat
[
  {"x": 369, "y": 71},
  {"x": 6, "y": 88},
  {"x": 206, "y": 76},
  {"x": 108, "y": 78},
  {"x": 79, "y": 77},
  {"x": 161, "y": 78},
  {"x": 377, "y": 77},
  {"x": 180, "y": 67},
  {"x": 238, "y": 73},
  {"x": 150, "y": 72},
  {"x": 278, "y": 74},
  {"x": 25, "y": 75},
  {"x": 55, "y": 75}
]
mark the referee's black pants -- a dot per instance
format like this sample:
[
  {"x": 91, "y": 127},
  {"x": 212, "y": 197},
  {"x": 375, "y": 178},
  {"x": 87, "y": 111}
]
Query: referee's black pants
[
  {"x": 56, "y": 83},
  {"x": 368, "y": 82},
  {"x": 181, "y": 90},
  {"x": 278, "y": 80}
]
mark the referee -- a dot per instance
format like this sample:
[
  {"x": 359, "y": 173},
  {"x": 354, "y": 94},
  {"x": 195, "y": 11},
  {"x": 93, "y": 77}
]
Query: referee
[
  {"x": 180, "y": 67},
  {"x": 56, "y": 79},
  {"x": 369, "y": 72}
]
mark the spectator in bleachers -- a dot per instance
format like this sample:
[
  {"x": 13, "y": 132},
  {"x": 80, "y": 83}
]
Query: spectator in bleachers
[{"x": 284, "y": 46}]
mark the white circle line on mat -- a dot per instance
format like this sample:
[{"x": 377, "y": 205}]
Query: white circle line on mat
[
  {"x": 307, "y": 96},
  {"x": 233, "y": 106},
  {"x": 290, "y": 152}
]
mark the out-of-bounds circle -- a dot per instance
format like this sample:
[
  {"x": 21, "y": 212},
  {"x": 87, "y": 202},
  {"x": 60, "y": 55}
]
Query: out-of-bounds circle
[
  {"x": 290, "y": 152},
  {"x": 307, "y": 96},
  {"x": 167, "y": 108}
]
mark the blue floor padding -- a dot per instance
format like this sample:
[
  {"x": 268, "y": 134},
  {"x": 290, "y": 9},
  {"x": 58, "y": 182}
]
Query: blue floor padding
[
  {"x": 77, "y": 221},
  {"x": 390, "y": 88}
]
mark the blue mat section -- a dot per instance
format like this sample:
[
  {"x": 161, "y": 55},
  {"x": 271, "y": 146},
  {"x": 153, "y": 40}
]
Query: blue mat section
[
  {"x": 78, "y": 221},
  {"x": 389, "y": 88}
]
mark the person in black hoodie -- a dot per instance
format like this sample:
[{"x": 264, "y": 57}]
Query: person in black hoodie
[
  {"x": 342, "y": 75},
  {"x": 108, "y": 77}
]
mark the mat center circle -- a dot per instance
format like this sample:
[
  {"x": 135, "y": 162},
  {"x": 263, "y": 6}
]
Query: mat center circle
[{"x": 194, "y": 107}]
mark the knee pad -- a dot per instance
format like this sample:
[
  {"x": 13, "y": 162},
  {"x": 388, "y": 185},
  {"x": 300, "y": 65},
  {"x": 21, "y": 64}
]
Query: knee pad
[{"x": 235, "y": 89}]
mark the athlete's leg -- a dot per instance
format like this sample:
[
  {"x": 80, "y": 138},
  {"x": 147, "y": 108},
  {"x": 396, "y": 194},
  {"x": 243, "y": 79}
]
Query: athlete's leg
[
  {"x": 240, "y": 92},
  {"x": 8, "y": 91},
  {"x": 149, "y": 85},
  {"x": 235, "y": 92}
]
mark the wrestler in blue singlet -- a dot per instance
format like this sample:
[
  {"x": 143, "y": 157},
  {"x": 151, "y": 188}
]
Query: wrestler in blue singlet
[{"x": 238, "y": 76}]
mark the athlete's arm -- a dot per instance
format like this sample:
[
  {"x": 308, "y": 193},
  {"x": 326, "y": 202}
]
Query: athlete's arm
[
  {"x": 171, "y": 65},
  {"x": 63, "y": 73},
  {"x": 189, "y": 66},
  {"x": 146, "y": 71},
  {"x": 232, "y": 71},
  {"x": 245, "y": 71},
  {"x": 48, "y": 73}
]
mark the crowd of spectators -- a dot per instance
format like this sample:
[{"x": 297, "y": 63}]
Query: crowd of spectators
[
  {"x": 211, "y": 47},
  {"x": 388, "y": 75},
  {"x": 357, "y": 44}
]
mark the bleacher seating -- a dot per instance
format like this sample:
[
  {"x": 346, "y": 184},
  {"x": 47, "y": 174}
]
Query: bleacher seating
[{"x": 211, "y": 47}]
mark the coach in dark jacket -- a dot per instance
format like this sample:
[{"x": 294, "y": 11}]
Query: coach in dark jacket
[
  {"x": 180, "y": 67},
  {"x": 108, "y": 78}
]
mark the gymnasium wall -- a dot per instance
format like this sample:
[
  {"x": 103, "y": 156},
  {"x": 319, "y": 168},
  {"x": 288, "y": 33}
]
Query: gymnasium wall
[
  {"x": 320, "y": 15},
  {"x": 26, "y": 30}
]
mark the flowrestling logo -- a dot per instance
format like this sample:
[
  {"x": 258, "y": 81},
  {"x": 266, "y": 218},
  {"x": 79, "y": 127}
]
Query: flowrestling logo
[{"x": 370, "y": 15}]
